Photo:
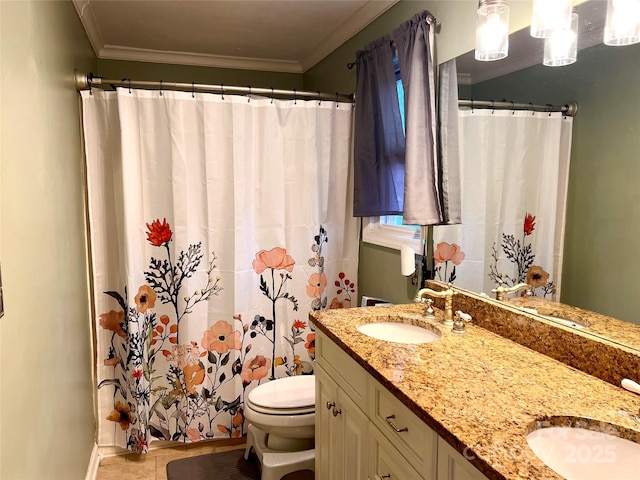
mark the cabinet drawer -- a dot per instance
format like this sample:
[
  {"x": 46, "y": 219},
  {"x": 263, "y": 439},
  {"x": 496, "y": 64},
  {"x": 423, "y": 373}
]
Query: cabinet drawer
[
  {"x": 387, "y": 463},
  {"x": 403, "y": 428},
  {"x": 351, "y": 377}
]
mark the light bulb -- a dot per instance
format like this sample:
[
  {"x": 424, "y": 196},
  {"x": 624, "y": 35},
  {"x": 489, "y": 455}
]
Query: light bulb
[
  {"x": 623, "y": 22},
  {"x": 549, "y": 16},
  {"x": 492, "y": 30}
]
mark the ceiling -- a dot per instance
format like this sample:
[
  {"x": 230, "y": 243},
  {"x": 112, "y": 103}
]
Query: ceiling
[{"x": 282, "y": 35}]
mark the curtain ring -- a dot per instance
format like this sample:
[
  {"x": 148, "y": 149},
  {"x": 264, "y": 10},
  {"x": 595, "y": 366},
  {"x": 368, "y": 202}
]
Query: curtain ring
[
  {"x": 493, "y": 107},
  {"x": 319, "y": 101},
  {"x": 193, "y": 89},
  {"x": 513, "y": 108},
  {"x": 129, "y": 85},
  {"x": 249, "y": 96},
  {"x": 222, "y": 88},
  {"x": 472, "y": 105},
  {"x": 550, "y": 108},
  {"x": 160, "y": 87},
  {"x": 295, "y": 100},
  {"x": 337, "y": 102},
  {"x": 271, "y": 94},
  {"x": 533, "y": 112}
]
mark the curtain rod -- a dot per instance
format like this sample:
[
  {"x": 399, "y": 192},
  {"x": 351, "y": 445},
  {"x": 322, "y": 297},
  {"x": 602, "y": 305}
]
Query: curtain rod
[
  {"x": 570, "y": 109},
  {"x": 85, "y": 81}
]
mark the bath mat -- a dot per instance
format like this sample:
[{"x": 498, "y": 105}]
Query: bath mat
[{"x": 229, "y": 465}]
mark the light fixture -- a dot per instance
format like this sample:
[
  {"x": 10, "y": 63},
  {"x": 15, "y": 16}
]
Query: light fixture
[
  {"x": 549, "y": 16},
  {"x": 492, "y": 30},
  {"x": 561, "y": 48},
  {"x": 623, "y": 22}
]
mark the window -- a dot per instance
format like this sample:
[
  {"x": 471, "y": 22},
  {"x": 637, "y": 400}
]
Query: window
[{"x": 388, "y": 231}]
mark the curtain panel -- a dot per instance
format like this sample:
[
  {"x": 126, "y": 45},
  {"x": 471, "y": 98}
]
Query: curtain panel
[
  {"x": 378, "y": 137},
  {"x": 217, "y": 224},
  {"x": 425, "y": 168}
]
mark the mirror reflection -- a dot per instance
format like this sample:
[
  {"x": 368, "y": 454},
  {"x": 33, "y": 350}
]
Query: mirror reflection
[{"x": 601, "y": 260}]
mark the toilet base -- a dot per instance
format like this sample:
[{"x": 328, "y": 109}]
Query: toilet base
[{"x": 276, "y": 463}]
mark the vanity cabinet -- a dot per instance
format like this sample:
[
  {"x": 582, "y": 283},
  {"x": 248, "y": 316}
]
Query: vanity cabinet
[{"x": 363, "y": 432}]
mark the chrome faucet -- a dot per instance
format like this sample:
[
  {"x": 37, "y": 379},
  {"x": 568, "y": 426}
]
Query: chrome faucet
[
  {"x": 448, "y": 301},
  {"x": 501, "y": 290}
]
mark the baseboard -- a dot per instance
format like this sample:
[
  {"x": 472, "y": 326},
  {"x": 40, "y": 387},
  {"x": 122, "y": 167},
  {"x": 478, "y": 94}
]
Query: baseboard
[{"x": 94, "y": 462}]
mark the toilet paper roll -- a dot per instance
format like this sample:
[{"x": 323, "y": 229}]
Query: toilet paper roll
[{"x": 407, "y": 260}]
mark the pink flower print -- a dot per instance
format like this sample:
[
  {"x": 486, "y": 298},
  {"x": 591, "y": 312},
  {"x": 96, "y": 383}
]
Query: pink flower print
[
  {"x": 221, "y": 337},
  {"x": 448, "y": 253},
  {"x": 317, "y": 283},
  {"x": 275, "y": 258}
]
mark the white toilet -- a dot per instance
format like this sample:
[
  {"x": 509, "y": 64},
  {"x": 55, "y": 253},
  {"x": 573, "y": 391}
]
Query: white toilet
[{"x": 281, "y": 430}]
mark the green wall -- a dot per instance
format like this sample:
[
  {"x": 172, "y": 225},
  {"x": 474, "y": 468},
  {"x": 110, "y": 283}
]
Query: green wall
[
  {"x": 47, "y": 423},
  {"x": 117, "y": 69},
  {"x": 601, "y": 258}
]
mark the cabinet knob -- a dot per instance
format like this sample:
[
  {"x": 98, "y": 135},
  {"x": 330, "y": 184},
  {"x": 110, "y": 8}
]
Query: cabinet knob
[
  {"x": 384, "y": 477},
  {"x": 336, "y": 412},
  {"x": 330, "y": 405}
]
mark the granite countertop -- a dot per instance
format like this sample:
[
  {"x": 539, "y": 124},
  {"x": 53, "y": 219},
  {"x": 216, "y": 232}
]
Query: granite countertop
[
  {"x": 481, "y": 392},
  {"x": 612, "y": 329}
]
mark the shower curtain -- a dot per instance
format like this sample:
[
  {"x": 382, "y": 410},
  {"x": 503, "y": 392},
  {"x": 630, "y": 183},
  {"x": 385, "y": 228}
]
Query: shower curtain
[
  {"x": 515, "y": 171},
  {"x": 217, "y": 224}
]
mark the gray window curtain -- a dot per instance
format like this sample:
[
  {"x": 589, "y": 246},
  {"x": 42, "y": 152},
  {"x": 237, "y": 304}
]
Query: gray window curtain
[
  {"x": 379, "y": 144},
  {"x": 430, "y": 188}
]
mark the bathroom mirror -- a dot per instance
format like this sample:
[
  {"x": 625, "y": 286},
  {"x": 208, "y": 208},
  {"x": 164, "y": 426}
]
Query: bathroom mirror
[{"x": 601, "y": 256}]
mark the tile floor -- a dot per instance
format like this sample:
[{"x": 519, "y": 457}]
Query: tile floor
[{"x": 153, "y": 465}]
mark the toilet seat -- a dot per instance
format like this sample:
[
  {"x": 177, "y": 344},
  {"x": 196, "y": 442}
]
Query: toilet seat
[{"x": 285, "y": 396}]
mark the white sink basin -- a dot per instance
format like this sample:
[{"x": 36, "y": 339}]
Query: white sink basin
[
  {"x": 584, "y": 454},
  {"x": 398, "y": 332},
  {"x": 565, "y": 321}
]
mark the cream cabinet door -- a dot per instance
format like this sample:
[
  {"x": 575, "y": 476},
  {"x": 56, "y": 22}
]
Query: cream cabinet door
[
  {"x": 341, "y": 431},
  {"x": 453, "y": 466}
]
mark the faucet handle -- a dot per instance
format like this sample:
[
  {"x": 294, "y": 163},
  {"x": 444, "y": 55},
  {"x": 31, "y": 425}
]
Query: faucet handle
[
  {"x": 429, "y": 313},
  {"x": 630, "y": 385},
  {"x": 459, "y": 322}
]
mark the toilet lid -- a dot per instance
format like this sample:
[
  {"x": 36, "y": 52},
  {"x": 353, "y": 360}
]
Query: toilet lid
[{"x": 295, "y": 392}]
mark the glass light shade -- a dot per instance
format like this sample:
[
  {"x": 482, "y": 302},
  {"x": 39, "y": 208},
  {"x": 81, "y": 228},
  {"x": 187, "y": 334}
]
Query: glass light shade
[
  {"x": 549, "y": 16},
  {"x": 623, "y": 22},
  {"x": 561, "y": 48},
  {"x": 492, "y": 30}
]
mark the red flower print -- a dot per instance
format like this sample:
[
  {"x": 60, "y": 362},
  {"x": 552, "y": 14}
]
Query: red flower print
[
  {"x": 159, "y": 233},
  {"x": 529, "y": 224},
  {"x": 137, "y": 374},
  {"x": 317, "y": 283},
  {"x": 275, "y": 258},
  {"x": 299, "y": 325},
  {"x": 221, "y": 338},
  {"x": 446, "y": 252}
]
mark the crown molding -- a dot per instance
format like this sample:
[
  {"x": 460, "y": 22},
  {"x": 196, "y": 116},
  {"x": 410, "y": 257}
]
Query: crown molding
[
  {"x": 114, "y": 52},
  {"x": 372, "y": 10},
  {"x": 85, "y": 13}
]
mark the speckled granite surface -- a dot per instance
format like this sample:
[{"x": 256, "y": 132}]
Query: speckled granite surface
[
  {"x": 479, "y": 391},
  {"x": 580, "y": 349}
]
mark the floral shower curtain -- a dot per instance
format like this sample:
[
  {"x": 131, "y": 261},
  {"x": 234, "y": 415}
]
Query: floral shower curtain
[
  {"x": 217, "y": 224},
  {"x": 515, "y": 172}
]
